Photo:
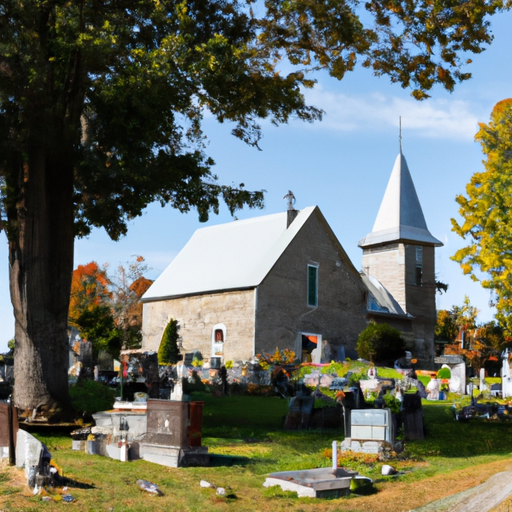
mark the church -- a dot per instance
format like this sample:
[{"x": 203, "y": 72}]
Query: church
[{"x": 284, "y": 281}]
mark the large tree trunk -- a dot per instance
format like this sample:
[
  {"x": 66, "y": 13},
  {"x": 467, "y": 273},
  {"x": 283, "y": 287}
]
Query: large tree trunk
[{"x": 41, "y": 265}]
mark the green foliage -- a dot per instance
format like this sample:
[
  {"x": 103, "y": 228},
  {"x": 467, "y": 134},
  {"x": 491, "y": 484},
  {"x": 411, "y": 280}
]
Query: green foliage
[
  {"x": 90, "y": 396},
  {"x": 354, "y": 378},
  {"x": 486, "y": 211},
  {"x": 11, "y": 344},
  {"x": 340, "y": 369},
  {"x": 446, "y": 326},
  {"x": 392, "y": 403},
  {"x": 444, "y": 373},
  {"x": 169, "y": 352},
  {"x": 97, "y": 325},
  {"x": 379, "y": 342}
]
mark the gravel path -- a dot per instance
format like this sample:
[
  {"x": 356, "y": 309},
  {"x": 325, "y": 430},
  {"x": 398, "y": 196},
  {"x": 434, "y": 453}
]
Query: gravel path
[{"x": 482, "y": 498}]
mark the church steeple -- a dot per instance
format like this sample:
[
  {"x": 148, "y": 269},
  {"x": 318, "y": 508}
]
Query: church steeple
[
  {"x": 399, "y": 254},
  {"x": 400, "y": 217}
]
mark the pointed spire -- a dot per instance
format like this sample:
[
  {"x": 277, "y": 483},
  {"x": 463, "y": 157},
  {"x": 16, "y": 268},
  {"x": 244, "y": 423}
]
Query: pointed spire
[{"x": 400, "y": 216}]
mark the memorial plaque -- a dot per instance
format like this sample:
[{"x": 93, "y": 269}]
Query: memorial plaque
[{"x": 449, "y": 359}]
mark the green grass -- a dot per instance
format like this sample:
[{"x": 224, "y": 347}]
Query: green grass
[
  {"x": 90, "y": 396},
  {"x": 248, "y": 431}
]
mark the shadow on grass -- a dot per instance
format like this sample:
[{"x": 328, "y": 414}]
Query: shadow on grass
[
  {"x": 447, "y": 437},
  {"x": 217, "y": 460},
  {"x": 63, "y": 481}
]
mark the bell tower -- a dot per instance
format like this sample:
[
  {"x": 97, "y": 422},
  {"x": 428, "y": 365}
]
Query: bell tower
[{"x": 399, "y": 252}]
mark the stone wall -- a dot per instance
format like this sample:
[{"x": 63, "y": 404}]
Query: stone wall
[
  {"x": 282, "y": 307},
  {"x": 387, "y": 264},
  {"x": 395, "y": 267},
  {"x": 197, "y": 315},
  {"x": 421, "y": 304}
]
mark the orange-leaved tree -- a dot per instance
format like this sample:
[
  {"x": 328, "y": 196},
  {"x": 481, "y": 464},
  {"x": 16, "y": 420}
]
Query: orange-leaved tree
[{"x": 90, "y": 309}]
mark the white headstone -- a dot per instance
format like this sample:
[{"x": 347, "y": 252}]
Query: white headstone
[
  {"x": 506, "y": 377},
  {"x": 483, "y": 386}
]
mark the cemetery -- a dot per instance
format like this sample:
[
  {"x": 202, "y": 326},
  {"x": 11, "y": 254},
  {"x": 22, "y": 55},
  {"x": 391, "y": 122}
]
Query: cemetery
[{"x": 288, "y": 436}]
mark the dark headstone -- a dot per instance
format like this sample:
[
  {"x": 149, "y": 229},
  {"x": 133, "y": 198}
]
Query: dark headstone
[
  {"x": 412, "y": 416},
  {"x": 299, "y": 413},
  {"x": 8, "y": 428},
  {"x": 338, "y": 384}
]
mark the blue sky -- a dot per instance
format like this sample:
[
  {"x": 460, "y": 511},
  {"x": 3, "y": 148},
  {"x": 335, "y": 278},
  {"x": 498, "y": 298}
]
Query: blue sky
[{"x": 342, "y": 164}]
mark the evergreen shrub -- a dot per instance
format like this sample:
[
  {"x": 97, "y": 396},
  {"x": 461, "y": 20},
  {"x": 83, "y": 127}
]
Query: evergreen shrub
[
  {"x": 169, "y": 353},
  {"x": 380, "y": 342}
]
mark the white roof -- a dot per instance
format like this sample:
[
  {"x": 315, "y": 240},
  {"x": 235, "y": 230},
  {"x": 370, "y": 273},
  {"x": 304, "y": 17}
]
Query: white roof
[
  {"x": 400, "y": 215},
  {"x": 228, "y": 256}
]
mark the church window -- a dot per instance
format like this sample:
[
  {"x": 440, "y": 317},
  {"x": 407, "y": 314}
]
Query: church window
[
  {"x": 419, "y": 266},
  {"x": 218, "y": 340},
  {"x": 312, "y": 285}
]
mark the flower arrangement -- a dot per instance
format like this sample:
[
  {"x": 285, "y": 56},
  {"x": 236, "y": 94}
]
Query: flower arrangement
[{"x": 279, "y": 357}]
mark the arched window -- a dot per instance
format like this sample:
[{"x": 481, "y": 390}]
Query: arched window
[{"x": 218, "y": 340}]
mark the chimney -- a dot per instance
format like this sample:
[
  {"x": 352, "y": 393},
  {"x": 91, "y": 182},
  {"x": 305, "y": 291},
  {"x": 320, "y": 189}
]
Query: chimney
[
  {"x": 290, "y": 217},
  {"x": 292, "y": 212}
]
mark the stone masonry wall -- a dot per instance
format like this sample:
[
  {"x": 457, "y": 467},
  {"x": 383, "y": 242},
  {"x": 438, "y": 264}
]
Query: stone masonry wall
[
  {"x": 421, "y": 304},
  {"x": 387, "y": 264},
  {"x": 197, "y": 315},
  {"x": 282, "y": 309}
]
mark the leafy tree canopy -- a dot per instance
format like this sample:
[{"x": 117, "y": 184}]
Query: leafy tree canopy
[
  {"x": 121, "y": 87},
  {"x": 380, "y": 342},
  {"x": 446, "y": 327},
  {"x": 481, "y": 344},
  {"x": 487, "y": 214},
  {"x": 101, "y": 108},
  {"x": 107, "y": 310}
]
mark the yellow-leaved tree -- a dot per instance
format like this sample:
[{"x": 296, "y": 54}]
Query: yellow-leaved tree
[{"x": 486, "y": 211}]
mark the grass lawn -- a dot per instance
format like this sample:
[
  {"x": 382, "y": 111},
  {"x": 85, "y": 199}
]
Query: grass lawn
[{"x": 454, "y": 457}]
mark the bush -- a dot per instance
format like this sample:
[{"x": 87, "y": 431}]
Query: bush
[
  {"x": 90, "y": 396},
  {"x": 380, "y": 342},
  {"x": 444, "y": 373},
  {"x": 169, "y": 353}
]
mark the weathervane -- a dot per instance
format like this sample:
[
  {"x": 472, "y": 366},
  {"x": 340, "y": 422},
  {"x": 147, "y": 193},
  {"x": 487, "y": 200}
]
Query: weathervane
[{"x": 291, "y": 200}]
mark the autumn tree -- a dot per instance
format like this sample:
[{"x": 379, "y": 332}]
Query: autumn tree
[
  {"x": 106, "y": 309},
  {"x": 101, "y": 106},
  {"x": 128, "y": 285},
  {"x": 446, "y": 327},
  {"x": 89, "y": 288},
  {"x": 90, "y": 308},
  {"x": 486, "y": 210},
  {"x": 480, "y": 344}
]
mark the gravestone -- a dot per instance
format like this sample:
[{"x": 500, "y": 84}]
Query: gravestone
[
  {"x": 483, "y": 385},
  {"x": 29, "y": 455},
  {"x": 174, "y": 434},
  {"x": 506, "y": 376},
  {"x": 370, "y": 430},
  {"x": 299, "y": 413},
  {"x": 412, "y": 415},
  {"x": 8, "y": 431},
  {"x": 457, "y": 366}
]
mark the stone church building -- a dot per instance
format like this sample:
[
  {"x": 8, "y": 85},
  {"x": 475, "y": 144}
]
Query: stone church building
[{"x": 285, "y": 281}]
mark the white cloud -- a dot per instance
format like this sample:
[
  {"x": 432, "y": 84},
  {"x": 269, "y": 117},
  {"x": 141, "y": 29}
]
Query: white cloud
[{"x": 373, "y": 112}]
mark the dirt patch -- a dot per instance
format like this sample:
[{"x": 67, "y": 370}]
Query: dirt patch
[
  {"x": 403, "y": 497},
  {"x": 14, "y": 485}
]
